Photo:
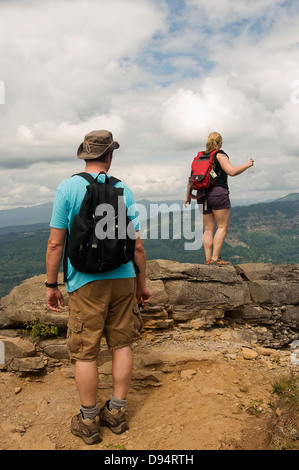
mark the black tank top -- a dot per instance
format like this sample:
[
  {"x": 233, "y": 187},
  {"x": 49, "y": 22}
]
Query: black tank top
[{"x": 222, "y": 176}]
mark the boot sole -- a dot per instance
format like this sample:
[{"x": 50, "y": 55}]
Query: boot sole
[
  {"x": 117, "y": 429},
  {"x": 94, "y": 439}
]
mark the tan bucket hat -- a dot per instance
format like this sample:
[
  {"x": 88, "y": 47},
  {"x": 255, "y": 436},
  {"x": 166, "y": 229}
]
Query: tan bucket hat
[{"x": 95, "y": 144}]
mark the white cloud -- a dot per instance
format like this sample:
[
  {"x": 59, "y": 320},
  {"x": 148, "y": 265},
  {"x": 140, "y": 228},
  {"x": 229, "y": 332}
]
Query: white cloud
[
  {"x": 50, "y": 134},
  {"x": 160, "y": 75},
  {"x": 189, "y": 116}
]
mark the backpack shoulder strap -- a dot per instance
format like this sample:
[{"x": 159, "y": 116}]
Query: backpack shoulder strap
[
  {"x": 113, "y": 180},
  {"x": 91, "y": 179},
  {"x": 86, "y": 176},
  {"x": 213, "y": 155},
  {"x": 200, "y": 154}
]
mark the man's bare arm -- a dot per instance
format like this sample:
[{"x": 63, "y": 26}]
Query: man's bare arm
[
  {"x": 53, "y": 261},
  {"x": 143, "y": 294}
]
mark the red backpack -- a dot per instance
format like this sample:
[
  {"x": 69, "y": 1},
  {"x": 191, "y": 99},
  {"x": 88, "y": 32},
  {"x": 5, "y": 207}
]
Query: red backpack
[{"x": 203, "y": 174}]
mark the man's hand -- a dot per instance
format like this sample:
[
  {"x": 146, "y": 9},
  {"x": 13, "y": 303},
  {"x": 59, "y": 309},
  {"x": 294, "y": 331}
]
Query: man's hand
[
  {"x": 143, "y": 296},
  {"x": 54, "y": 298}
]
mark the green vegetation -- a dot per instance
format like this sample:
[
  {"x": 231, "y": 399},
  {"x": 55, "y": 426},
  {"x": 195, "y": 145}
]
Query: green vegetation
[
  {"x": 284, "y": 430},
  {"x": 287, "y": 389},
  {"x": 38, "y": 329},
  {"x": 255, "y": 408},
  {"x": 265, "y": 232},
  {"x": 114, "y": 447}
]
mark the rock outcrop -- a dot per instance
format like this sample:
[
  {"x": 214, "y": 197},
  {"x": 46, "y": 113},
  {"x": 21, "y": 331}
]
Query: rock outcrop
[
  {"x": 259, "y": 302},
  {"x": 262, "y": 296}
]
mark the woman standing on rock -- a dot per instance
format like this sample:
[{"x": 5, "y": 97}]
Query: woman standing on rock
[{"x": 216, "y": 204}]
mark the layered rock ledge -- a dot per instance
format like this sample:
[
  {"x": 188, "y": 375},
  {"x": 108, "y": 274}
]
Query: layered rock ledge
[{"x": 254, "y": 303}]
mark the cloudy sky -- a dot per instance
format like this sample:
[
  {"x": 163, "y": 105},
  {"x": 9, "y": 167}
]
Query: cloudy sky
[{"x": 159, "y": 74}]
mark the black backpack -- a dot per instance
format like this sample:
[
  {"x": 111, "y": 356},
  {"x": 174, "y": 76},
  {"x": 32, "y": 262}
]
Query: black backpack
[{"x": 102, "y": 236}]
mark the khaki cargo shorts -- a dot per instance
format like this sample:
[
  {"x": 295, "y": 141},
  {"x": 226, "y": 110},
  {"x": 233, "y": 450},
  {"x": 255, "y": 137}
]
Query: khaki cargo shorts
[{"x": 105, "y": 307}]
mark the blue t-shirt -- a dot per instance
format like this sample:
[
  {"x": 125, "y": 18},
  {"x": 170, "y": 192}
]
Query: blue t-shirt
[{"x": 68, "y": 199}]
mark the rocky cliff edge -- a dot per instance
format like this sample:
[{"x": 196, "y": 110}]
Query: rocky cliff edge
[{"x": 255, "y": 304}]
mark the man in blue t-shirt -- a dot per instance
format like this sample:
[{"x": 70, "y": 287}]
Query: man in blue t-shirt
[{"x": 99, "y": 304}]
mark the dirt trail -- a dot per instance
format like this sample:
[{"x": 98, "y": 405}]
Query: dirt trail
[{"x": 221, "y": 401}]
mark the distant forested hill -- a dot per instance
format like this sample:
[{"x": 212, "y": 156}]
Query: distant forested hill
[
  {"x": 264, "y": 232},
  {"x": 22, "y": 255},
  {"x": 26, "y": 215}
]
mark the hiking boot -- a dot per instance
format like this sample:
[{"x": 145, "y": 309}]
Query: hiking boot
[
  {"x": 87, "y": 429},
  {"x": 114, "y": 419}
]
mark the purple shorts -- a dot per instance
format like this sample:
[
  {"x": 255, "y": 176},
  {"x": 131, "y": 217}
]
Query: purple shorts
[{"x": 217, "y": 198}]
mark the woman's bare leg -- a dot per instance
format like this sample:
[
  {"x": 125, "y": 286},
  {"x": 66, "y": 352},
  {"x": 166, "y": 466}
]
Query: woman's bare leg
[
  {"x": 208, "y": 235},
  {"x": 222, "y": 219}
]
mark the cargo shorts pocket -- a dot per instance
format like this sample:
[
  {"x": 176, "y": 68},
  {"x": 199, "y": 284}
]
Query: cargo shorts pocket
[{"x": 75, "y": 335}]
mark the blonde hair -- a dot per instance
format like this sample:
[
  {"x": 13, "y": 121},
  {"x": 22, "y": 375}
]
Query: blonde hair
[{"x": 214, "y": 142}]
